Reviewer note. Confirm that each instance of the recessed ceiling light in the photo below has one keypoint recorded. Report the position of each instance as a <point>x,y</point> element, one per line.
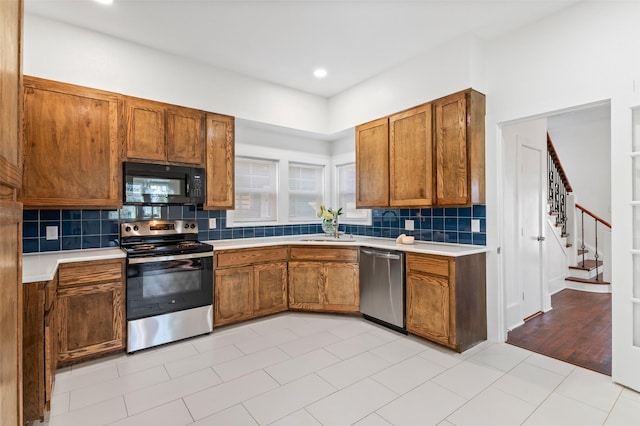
<point>104,1</point>
<point>320,73</point>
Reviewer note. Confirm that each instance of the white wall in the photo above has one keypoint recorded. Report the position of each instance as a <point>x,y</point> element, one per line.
<point>66,53</point>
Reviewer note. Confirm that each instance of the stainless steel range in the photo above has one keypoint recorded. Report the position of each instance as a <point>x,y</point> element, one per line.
<point>169,282</point>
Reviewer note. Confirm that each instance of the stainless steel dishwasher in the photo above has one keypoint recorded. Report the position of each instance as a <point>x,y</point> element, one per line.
<point>382,287</point>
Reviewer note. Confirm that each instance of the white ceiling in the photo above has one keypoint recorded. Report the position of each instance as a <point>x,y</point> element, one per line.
<point>282,42</point>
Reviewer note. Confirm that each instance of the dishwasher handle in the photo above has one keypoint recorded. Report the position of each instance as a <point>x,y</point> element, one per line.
<point>381,255</point>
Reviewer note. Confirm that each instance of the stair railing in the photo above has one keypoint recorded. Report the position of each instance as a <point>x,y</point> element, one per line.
<point>558,187</point>
<point>596,220</point>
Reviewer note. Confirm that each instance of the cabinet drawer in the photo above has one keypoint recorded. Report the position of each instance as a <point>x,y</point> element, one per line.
<point>225,259</point>
<point>428,264</point>
<point>80,273</point>
<point>328,253</point>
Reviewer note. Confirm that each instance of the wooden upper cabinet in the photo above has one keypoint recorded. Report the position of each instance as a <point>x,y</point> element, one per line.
<point>459,147</point>
<point>372,164</point>
<point>185,136</point>
<point>220,158</point>
<point>71,155</point>
<point>411,158</point>
<point>144,129</point>
<point>159,132</point>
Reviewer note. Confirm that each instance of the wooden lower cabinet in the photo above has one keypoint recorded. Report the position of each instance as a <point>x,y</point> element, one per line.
<point>446,299</point>
<point>324,279</point>
<point>39,347</point>
<point>249,283</point>
<point>91,309</point>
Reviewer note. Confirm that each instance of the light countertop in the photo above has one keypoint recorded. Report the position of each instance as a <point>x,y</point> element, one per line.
<point>43,266</point>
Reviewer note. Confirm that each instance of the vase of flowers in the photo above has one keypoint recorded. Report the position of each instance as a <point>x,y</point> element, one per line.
<point>329,219</point>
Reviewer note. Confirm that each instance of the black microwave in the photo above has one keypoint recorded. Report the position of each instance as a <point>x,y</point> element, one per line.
<point>162,184</point>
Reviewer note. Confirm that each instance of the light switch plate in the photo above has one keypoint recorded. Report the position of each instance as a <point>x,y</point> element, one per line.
<point>212,223</point>
<point>408,225</point>
<point>475,225</point>
<point>52,233</point>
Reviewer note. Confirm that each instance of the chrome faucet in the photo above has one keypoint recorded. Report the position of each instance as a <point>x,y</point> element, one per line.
<point>335,225</point>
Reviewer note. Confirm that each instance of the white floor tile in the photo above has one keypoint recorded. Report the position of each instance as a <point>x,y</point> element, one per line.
<point>355,345</point>
<point>285,400</point>
<point>94,415</point>
<point>222,338</point>
<point>59,403</point>
<point>302,365</point>
<point>318,323</point>
<point>309,343</point>
<point>492,407</point>
<point>501,356</point>
<point>249,363</point>
<point>468,378</point>
<point>352,329</point>
<point>428,404</point>
<point>529,383</point>
<point>372,420</point>
<point>96,375</point>
<point>299,418</point>
<point>101,392</point>
<point>626,411</point>
<point>147,359</point>
<point>225,395</point>
<point>266,341</point>
<point>172,414</point>
<point>203,360</point>
<point>408,374</point>
<point>551,364</point>
<point>631,394</point>
<point>164,392</point>
<point>353,369</point>
<point>233,416</point>
<point>400,349</point>
<point>591,388</point>
<point>558,410</point>
<point>272,324</point>
<point>351,404</point>
<point>442,356</point>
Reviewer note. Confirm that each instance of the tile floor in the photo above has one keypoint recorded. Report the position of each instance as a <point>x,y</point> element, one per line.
<point>313,369</point>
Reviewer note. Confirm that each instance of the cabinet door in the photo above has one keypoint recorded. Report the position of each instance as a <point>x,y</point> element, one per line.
<point>270,288</point>
<point>233,295</point>
<point>306,286</point>
<point>452,160</point>
<point>144,130</point>
<point>411,158</point>
<point>428,306</point>
<point>70,145</point>
<point>90,320</point>
<point>184,136</point>
<point>220,130</point>
<point>341,287</point>
<point>372,164</point>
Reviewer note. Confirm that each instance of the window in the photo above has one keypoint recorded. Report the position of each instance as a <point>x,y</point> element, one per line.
<point>256,190</point>
<point>346,196</point>
<point>306,191</point>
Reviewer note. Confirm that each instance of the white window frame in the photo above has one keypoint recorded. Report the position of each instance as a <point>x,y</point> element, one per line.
<point>274,221</point>
<point>340,161</point>
<point>321,188</point>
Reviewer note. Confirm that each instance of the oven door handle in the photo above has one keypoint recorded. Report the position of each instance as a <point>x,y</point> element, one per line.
<point>136,260</point>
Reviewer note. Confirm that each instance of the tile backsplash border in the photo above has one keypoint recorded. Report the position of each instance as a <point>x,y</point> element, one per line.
<point>87,229</point>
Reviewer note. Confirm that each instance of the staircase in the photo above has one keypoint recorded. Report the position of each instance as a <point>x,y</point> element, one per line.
<point>585,237</point>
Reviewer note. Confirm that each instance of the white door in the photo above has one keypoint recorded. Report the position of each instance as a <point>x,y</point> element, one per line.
<point>530,206</point>
<point>524,202</point>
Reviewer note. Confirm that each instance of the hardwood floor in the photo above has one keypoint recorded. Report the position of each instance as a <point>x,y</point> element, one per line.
<point>577,330</point>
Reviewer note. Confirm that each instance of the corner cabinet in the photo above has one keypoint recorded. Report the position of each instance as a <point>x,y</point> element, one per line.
<point>249,283</point>
<point>459,149</point>
<point>90,311</point>
<point>446,299</point>
<point>324,279</point>
<point>160,132</point>
<point>220,158</point>
<point>429,155</point>
<point>70,140</point>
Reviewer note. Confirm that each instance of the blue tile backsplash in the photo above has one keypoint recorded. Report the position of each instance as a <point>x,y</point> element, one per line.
<point>84,229</point>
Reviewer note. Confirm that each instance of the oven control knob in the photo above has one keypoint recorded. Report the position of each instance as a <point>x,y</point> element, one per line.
<point>193,225</point>
<point>186,226</point>
<point>135,227</point>
<point>127,228</point>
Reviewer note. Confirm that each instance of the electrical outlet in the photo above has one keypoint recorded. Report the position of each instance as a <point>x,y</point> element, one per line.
<point>52,233</point>
<point>212,223</point>
<point>408,225</point>
<point>475,225</point>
